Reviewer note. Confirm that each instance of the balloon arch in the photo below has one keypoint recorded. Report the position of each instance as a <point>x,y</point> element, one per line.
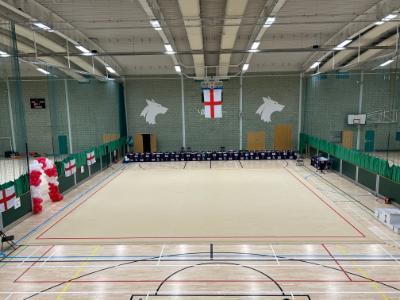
<point>43,166</point>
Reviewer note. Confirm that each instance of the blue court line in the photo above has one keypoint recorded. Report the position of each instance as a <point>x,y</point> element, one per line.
<point>66,206</point>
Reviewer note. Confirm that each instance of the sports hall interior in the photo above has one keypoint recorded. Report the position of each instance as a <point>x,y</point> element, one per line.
<point>199,149</point>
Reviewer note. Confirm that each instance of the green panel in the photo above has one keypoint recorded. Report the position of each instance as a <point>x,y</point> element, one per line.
<point>349,170</point>
<point>82,176</point>
<point>13,215</point>
<point>369,141</point>
<point>62,144</point>
<point>96,167</point>
<point>313,151</point>
<point>335,163</point>
<point>389,189</point>
<point>367,179</point>
<point>66,183</point>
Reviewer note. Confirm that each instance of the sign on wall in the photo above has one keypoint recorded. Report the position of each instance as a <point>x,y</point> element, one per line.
<point>38,103</point>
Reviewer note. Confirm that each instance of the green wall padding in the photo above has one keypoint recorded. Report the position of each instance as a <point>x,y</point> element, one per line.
<point>335,163</point>
<point>389,189</point>
<point>367,179</point>
<point>82,176</point>
<point>12,215</point>
<point>66,183</point>
<point>96,167</point>
<point>349,170</point>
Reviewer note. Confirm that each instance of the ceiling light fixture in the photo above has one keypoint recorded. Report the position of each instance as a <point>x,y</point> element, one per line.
<point>314,65</point>
<point>83,50</point>
<point>342,45</point>
<point>4,54</point>
<point>245,67</point>
<point>178,69</point>
<point>43,71</point>
<point>42,26</point>
<point>111,70</point>
<point>168,47</point>
<point>269,22</point>
<point>155,24</point>
<point>387,63</point>
<point>255,45</point>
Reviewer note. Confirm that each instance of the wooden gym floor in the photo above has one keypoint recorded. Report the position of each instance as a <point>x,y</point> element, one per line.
<point>362,263</point>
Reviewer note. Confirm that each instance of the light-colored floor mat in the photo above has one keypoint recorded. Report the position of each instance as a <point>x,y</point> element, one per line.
<point>203,205</point>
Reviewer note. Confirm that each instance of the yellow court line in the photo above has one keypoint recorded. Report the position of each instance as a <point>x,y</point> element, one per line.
<point>78,272</point>
<point>365,274</point>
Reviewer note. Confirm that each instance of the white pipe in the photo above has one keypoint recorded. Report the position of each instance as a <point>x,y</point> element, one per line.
<point>300,110</point>
<point>183,113</point>
<point>11,117</point>
<point>360,102</point>
<point>71,149</point>
<point>241,113</point>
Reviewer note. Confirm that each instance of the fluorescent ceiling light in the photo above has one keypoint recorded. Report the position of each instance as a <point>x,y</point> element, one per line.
<point>83,50</point>
<point>4,54</point>
<point>42,26</point>
<point>387,63</point>
<point>43,71</point>
<point>269,22</point>
<point>168,47</point>
<point>155,24</point>
<point>255,45</point>
<point>111,70</point>
<point>379,23</point>
<point>254,50</point>
<point>245,67</point>
<point>314,65</point>
<point>389,17</point>
<point>342,45</point>
<point>178,69</point>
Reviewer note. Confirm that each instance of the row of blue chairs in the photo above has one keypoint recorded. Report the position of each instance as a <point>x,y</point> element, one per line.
<point>209,156</point>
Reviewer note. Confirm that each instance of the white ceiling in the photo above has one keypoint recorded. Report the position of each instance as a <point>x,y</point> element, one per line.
<point>111,26</point>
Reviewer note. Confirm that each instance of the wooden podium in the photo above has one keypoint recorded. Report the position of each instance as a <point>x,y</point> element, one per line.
<point>145,142</point>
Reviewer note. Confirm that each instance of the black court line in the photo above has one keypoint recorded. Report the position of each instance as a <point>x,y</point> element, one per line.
<point>210,164</point>
<point>211,251</point>
<point>240,164</point>
<point>185,165</point>
<point>280,297</point>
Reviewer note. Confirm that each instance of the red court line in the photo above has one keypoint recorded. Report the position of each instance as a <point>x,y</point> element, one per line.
<point>327,204</point>
<point>34,263</point>
<point>88,197</point>
<point>210,281</point>
<point>334,259</point>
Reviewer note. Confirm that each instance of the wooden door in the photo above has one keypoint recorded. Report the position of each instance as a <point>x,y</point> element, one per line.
<point>138,143</point>
<point>347,139</point>
<point>153,143</point>
<point>256,140</point>
<point>283,137</point>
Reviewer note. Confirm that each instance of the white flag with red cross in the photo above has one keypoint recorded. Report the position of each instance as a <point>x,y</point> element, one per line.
<point>70,168</point>
<point>90,158</point>
<point>212,103</point>
<point>8,199</point>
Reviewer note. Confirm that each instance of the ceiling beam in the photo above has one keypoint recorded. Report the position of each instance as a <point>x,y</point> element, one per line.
<point>190,10</point>
<point>234,10</point>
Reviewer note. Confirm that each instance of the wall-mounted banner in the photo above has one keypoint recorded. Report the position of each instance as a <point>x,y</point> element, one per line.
<point>38,103</point>
<point>268,108</point>
<point>151,111</point>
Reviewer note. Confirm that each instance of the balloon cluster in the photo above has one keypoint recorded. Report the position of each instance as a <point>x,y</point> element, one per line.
<point>38,167</point>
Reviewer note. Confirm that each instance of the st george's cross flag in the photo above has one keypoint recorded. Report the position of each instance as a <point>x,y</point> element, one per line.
<point>8,199</point>
<point>90,158</point>
<point>212,103</point>
<point>70,168</point>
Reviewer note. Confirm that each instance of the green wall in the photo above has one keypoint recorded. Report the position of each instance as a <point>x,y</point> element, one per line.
<point>207,134</point>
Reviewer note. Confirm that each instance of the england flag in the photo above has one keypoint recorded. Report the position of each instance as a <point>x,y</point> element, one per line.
<point>90,158</point>
<point>70,168</point>
<point>8,199</point>
<point>212,103</point>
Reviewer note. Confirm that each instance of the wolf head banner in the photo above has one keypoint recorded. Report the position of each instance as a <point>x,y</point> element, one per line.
<point>268,108</point>
<point>151,111</point>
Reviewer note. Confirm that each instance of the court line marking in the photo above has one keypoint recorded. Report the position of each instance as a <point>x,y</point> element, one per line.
<point>37,249</point>
<point>159,258</point>
<point>338,264</point>
<point>273,251</point>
